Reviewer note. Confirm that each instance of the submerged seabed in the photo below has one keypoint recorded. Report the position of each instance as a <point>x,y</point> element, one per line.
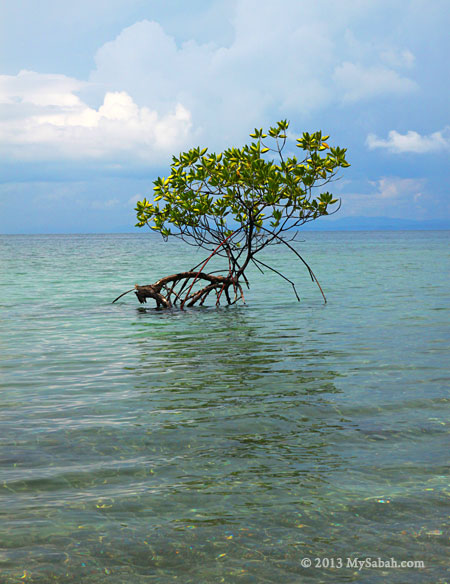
<point>223,445</point>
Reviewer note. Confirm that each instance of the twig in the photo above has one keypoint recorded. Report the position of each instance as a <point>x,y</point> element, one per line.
<point>311,273</point>
<point>279,273</point>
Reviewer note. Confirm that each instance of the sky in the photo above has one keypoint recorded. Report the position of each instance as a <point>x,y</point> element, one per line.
<point>96,96</point>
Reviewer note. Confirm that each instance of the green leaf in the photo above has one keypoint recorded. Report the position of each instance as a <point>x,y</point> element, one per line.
<point>241,186</point>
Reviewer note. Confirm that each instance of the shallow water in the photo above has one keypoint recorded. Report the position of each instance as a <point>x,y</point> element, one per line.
<point>223,445</point>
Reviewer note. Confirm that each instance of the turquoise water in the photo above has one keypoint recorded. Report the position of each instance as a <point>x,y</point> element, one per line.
<point>223,445</point>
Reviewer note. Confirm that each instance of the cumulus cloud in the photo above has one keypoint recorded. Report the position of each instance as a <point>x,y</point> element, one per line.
<point>39,90</point>
<point>411,142</point>
<point>43,117</point>
<point>393,197</point>
<point>394,188</point>
<point>357,82</point>
<point>395,57</point>
<point>149,95</point>
<point>287,60</point>
<point>102,205</point>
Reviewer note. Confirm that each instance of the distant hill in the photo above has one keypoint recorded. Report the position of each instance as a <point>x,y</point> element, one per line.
<point>344,224</point>
<point>374,224</point>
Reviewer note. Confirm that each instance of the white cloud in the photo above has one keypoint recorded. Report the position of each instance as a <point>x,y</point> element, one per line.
<point>44,118</point>
<point>357,82</point>
<point>398,58</point>
<point>411,142</point>
<point>394,197</point>
<point>393,188</point>
<point>103,205</point>
<point>153,96</point>
<point>40,90</point>
<point>280,63</point>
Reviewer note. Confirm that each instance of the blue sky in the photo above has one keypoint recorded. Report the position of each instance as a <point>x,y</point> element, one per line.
<point>96,96</point>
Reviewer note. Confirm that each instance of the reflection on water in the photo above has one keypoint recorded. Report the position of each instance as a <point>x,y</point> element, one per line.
<point>219,445</point>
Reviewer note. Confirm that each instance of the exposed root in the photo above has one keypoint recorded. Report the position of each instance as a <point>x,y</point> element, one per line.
<point>170,290</point>
<point>167,292</point>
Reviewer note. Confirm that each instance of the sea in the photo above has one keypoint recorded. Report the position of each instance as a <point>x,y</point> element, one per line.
<point>274,441</point>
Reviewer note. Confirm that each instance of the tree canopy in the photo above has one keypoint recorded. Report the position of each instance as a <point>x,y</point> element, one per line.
<point>239,201</point>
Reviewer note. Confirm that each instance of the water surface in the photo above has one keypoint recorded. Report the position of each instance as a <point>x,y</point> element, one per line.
<point>223,445</point>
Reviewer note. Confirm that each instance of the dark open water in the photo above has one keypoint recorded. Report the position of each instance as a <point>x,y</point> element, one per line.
<point>223,445</point>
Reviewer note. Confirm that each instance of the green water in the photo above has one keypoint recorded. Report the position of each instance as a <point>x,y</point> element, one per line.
<point>223,445</point>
